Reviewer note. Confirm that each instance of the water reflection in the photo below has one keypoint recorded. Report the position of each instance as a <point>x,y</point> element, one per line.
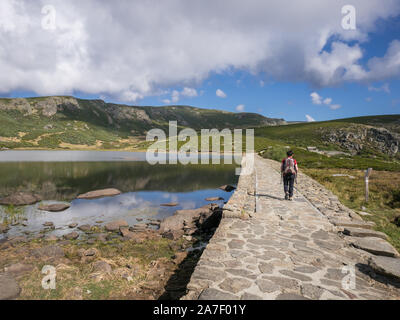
<point>144,188</point>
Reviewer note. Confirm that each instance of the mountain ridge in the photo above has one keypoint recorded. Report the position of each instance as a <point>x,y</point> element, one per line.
<point>68,122</point>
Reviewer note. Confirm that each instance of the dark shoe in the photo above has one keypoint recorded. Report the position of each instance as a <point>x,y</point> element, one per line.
<point>286,196</point>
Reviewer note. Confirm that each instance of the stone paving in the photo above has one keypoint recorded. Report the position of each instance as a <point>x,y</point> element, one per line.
<point>268,248</point>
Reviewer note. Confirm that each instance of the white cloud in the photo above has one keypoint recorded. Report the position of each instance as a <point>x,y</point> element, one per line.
<point>240,108</point>
<point>309,118</point>
<point>384,88</point>
<point>135,49</point>
<point>220,93</point>
<point>189,92</point>
<point>316,98</point>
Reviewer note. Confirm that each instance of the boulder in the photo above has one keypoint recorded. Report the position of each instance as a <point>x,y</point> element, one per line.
<point>227,188</point>
<point>9,288</point>
<point>56,207</point>
<point>116,225</point>
<point>375,246</point>
<point>358,232</point>
<point>73,225</point>
<point>51,251</point>
<point>172,204</point>
<point>18,269</point>
<point>100,194</point>
<point>101,266</point>
<point>20,199</point>
<point>125,232</point>
<point>84,227</point>
<point>71,236</point>
<point>182,218</point>
<point>386,266</point>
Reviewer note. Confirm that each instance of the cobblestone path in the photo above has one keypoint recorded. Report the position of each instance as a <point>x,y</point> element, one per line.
<point>269,248</point>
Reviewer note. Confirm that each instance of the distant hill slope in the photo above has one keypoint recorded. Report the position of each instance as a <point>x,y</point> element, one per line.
<point>373,135</point>
<point>67,122</point>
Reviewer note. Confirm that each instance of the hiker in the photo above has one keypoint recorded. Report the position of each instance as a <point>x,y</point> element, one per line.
<point>289,171</point>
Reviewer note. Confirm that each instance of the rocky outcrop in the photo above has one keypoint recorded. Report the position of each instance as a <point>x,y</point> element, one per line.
<point>355,138</point>
<point>188,221</point>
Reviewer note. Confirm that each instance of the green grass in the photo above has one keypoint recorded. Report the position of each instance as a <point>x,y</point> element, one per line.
<point>383,205</point>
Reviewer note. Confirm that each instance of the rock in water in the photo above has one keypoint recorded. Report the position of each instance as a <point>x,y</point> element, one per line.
<point>172,204</point>
<point>56,207</point>
<point>9,288</point>
<point>100,194</point>
<point>227,188</point>
<point>115,225</point>
<point>214,199</point>
<point>20,199</point>
<point>4,228</point>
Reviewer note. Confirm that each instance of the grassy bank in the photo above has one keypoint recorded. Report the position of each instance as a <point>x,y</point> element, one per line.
<point>384,196</point>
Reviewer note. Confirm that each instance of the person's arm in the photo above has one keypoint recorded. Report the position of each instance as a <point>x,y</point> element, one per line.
<point>296,167</point>
<point>282,165</point>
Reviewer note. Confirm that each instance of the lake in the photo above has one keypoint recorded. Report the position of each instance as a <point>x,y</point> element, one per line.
<point>63,175</point>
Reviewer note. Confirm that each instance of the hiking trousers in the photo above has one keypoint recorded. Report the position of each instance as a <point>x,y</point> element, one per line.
<point>288,184</point>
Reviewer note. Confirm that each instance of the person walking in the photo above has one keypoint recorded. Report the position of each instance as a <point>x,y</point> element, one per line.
<point>289,172</point>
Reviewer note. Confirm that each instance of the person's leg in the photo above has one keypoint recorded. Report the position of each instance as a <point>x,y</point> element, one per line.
<point>291,186</point>
<point>286,187</point>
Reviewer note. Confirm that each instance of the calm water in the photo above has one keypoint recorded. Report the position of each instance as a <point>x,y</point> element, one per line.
<point>62,175</point>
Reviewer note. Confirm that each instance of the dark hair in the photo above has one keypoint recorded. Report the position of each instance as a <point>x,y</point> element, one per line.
<point>290,153</point>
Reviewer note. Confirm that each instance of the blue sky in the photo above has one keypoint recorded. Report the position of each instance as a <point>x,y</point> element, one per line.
<point>261,66</point>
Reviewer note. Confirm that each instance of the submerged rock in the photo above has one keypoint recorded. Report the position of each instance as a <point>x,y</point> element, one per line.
<point>171,204</point>
<point>56,207</point>
<point>20,199</point>
<point>227,188</point>
<point>100,194</point>
<point>214,199</point>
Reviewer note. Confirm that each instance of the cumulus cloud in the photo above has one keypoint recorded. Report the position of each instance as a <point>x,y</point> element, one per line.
<point>318,100</point>
<point>176,95</point>
<point>220,93</point>
<point>134,49</point>
<point>309,118</point>
<point>240,108</point>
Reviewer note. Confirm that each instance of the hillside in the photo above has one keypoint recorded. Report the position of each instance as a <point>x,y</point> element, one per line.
<point>378,135</point>
<point>70,123</point>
